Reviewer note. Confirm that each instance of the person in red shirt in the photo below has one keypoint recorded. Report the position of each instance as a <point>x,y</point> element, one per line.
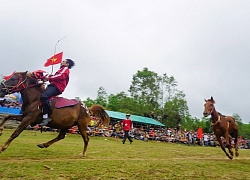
<point>58,83</point>
<point>127,125</point>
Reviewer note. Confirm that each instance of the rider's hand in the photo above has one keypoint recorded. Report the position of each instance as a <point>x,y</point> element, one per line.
<point>46,79</point>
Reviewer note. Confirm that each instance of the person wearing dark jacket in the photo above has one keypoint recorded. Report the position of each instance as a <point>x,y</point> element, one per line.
<point>58,83</point>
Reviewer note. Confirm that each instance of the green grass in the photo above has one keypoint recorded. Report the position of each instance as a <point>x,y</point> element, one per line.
<point>110,159</point>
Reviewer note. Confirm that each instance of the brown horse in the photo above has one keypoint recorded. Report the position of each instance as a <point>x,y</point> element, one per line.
<point>223,126</point>
<point>62,118</point>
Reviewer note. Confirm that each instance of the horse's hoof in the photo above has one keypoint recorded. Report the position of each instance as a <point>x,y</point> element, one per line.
<point>82,155</point>
<point>41,145</point>
<point>236,154</point>
<point>1,133</point>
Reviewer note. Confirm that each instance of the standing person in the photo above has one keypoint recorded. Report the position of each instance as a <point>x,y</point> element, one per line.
<point>118,128</point>
<point>194,136</point>
<point>127,125</point>
<point>205,139</point>
<point>58,83</point>
<point>189,138</point>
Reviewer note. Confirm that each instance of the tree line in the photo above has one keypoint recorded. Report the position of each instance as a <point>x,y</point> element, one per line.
<point>157,96</point>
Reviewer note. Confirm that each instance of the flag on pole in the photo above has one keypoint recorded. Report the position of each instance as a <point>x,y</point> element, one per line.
<point>56,59</point>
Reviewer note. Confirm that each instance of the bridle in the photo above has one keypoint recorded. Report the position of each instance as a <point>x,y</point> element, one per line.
<point>217,121</point>
<point>18,87</point>
<point>212,110</point>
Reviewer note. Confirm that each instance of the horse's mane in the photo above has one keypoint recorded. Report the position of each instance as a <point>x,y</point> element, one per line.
<point>29,74</point>
<point>32,79</point>
<point>213,101</point>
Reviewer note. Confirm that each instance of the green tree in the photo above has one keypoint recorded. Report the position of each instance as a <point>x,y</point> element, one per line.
<point>243,129</point>
<point>175,107</point>
<point>246,131</point>
<point>150,92</point>
<point>159,95</point>
<point>122,103</point>
<point>145,88</point>
<point>89,102</point>
<point>102,97</point>
<point>169,85</point>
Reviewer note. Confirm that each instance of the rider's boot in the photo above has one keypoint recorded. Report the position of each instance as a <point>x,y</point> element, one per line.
<point>45,121</point>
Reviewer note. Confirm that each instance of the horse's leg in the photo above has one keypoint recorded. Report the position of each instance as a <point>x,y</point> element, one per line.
<point>82,127</point>
<point>6,118</point>
<point>222,147</point>
<point>25,122</point>
<point>60,136</point>
<point>230,147</point>
<point>236,143</point>
<point>227,139</point>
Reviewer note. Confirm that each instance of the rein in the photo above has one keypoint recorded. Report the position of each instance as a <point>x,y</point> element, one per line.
<point>20,83</point>
<point>11,89</point>
<point>16,88</point>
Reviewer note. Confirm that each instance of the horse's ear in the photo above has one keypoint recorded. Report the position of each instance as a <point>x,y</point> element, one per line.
<point>24,73</point>
<point>205,100</point>
<point>212,99</point>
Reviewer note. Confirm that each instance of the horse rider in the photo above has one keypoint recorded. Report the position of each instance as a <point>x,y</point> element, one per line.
<point>58,83</point>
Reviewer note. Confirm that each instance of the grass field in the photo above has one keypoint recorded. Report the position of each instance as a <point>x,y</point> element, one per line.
<point>108,158</point>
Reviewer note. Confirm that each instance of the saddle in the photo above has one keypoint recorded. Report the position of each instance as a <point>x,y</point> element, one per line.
<point>63,102</point>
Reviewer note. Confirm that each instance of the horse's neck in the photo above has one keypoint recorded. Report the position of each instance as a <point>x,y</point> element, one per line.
<point>30,95</point>
<point>214,115</point>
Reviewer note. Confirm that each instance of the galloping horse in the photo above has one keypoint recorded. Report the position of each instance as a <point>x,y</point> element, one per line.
<point>223,126</point>
<point>62,118</point>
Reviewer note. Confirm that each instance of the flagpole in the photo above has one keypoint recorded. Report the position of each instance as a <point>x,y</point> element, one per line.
<point>55,52</point>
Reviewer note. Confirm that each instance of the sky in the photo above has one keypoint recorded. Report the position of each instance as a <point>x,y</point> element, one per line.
<point>203,44</point>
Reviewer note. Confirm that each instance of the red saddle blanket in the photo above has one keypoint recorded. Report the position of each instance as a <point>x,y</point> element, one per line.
<point>63,102</point>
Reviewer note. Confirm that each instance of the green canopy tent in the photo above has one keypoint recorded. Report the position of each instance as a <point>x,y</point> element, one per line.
<point>137,120</point>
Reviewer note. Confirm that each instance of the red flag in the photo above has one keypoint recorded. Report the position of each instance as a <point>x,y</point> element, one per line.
<point>240,139</point>
<point>199,133</point>
<point>56,59</point>
<point>7,77</point>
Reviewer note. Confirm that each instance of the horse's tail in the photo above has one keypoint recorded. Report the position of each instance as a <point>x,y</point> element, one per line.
<point>99,111</point>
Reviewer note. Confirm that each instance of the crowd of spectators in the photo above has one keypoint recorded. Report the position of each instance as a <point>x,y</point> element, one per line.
<point>11,101</point>
<point>146,133</point>
<point>168,135</point>
<point>10,104</point>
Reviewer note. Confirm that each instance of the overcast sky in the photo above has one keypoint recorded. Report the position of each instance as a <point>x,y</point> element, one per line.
<point>203,44</point>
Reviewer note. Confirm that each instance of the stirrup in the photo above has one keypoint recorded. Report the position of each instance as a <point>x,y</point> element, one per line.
<point>45,122</point>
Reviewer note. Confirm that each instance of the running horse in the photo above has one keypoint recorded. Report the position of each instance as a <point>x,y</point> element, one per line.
<point>223,126</point>
<point>62,118</point>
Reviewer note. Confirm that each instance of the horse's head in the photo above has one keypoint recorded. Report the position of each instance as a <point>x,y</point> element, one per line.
<point>208,107</point>
<point>13,84</point>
